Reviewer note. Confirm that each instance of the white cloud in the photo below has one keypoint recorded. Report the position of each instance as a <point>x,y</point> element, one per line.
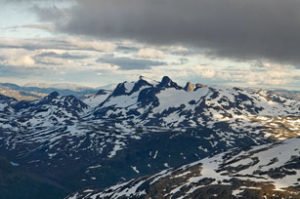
<point>65,53</point>
<point>17,58</point>
<point>150,53</point>
<point>91,44</point>
<point>60,43</point>
<point>25,60</point>
<point>204,71</point>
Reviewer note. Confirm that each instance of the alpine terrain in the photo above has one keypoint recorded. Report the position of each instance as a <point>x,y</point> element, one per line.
<point>192,141</point>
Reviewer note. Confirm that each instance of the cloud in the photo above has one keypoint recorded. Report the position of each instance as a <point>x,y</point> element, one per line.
<point>64,55</point>
<point>60,54</point>
<point>205,72</point>
<point>150,53</point>
<point>127,63</point>
<point>76,53</point>
<point>262,74</point>
<point>272,74</point>
<point>25,61</point>
<point>90,44</point>
<point>256,29</point>
<point>17,58</point>
<point>63,43</point>
<point>268,75</point>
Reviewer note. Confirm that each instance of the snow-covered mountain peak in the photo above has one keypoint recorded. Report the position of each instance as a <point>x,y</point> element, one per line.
<point>127,88</point>
<point>67,102</point>
<point>167,82</point>
<point>49,98</point>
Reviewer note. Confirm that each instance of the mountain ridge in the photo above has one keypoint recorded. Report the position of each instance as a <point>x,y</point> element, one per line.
<point>261,172</point>
<point>139,128</point>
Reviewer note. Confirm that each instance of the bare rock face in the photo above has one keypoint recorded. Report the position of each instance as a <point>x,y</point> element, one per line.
<point>190,87</point>
<point>198,85</point>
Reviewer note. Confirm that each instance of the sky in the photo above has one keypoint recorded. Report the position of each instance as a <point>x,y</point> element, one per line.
<point>100,42</point>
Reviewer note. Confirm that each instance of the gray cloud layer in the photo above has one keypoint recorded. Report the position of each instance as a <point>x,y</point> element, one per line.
<point>127,63</point>
<point>242,29</point>
<point>61,56</point>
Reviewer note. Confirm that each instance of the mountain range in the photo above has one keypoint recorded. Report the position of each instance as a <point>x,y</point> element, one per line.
<point>96,140</point>
<point>32,92</point>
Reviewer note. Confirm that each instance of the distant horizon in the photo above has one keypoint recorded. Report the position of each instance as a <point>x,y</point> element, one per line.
<point>70,85</point>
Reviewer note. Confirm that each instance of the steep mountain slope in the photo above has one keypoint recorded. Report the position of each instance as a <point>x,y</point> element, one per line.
<point>140,128</point>
<point>94,100</point>
<point>17,183</point>
<point>268,171</point>
<point>5,103</point>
